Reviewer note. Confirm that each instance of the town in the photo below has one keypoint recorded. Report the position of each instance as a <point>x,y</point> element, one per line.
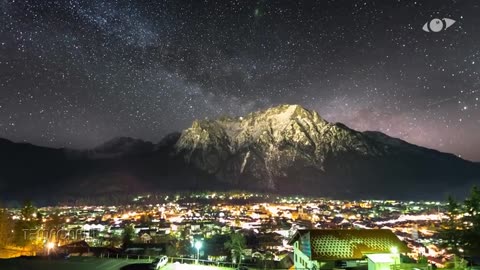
<point>229,228</point>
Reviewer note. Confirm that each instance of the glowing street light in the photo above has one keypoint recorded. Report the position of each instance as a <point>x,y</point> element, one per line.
<point>50,246</point>
<point>198,246</point>
<point>394,250</point>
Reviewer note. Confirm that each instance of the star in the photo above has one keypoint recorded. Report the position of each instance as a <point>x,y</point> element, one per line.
<point>78,73</point>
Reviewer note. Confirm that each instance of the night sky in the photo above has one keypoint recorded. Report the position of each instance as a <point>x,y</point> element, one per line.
<point>78,73</point>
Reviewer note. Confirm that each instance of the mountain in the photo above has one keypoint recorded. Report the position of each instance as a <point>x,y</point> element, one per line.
<point>120,147</point>
<point>111,171</point>
<point>291,149</point>
<point>285,149</point>
<point>27,169</point>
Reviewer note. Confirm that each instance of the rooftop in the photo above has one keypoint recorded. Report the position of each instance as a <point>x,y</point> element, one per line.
<point>346,244</point>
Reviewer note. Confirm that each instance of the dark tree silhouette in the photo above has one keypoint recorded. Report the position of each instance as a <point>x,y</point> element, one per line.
<point>461,233</point>
<point>236,244</point>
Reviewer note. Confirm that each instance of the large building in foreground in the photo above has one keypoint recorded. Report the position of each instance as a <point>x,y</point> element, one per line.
<point>329,249</point>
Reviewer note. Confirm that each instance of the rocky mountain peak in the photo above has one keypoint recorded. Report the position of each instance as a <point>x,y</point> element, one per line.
<point>284,114</point>
<point>276,122</point>
<point>274,148</point>
<point>266,142</point>
<point>285,149</point>
<point>283,124</point>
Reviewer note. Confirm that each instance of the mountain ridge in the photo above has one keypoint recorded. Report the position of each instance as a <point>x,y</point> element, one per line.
<point>283,149</point>
<point>285,141</point>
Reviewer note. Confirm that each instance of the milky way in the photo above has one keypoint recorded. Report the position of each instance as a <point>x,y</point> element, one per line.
<point>78,73</point>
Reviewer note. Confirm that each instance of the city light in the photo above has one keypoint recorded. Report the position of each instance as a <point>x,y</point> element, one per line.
<point>50,246</point>
<point>198,246</point>
<point>273,220</point>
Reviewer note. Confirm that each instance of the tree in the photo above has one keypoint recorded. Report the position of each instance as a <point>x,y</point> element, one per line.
<point>53,228</point>
<point>463,234</point>
<point>170,250</point>
<point>115,241</point>
<point>25,229</point>
<point>449,231</point>
<point>236,244</point>
<point>471,220</point>
<point>6,227</point>
<point>28,211</point>
<point>128,234</point>
<point>183,245</point>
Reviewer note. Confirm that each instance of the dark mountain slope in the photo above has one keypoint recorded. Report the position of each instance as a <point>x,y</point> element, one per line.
<point>291,149</point>
<point>284,149</point>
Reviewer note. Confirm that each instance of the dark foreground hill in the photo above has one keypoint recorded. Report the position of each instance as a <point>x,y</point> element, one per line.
<point>284,149</point>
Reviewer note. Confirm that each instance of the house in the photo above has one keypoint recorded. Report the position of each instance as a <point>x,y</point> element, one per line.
<point>146,238</point>
<point>75,248</point>
<point>329,249</point>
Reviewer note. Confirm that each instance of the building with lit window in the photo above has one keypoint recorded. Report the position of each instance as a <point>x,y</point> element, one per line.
<point>341,249</point>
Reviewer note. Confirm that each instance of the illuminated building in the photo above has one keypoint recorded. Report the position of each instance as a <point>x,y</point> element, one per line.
<point>329,249</point>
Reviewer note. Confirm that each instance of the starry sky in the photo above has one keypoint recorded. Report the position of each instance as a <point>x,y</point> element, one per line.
<point>76,73</point>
